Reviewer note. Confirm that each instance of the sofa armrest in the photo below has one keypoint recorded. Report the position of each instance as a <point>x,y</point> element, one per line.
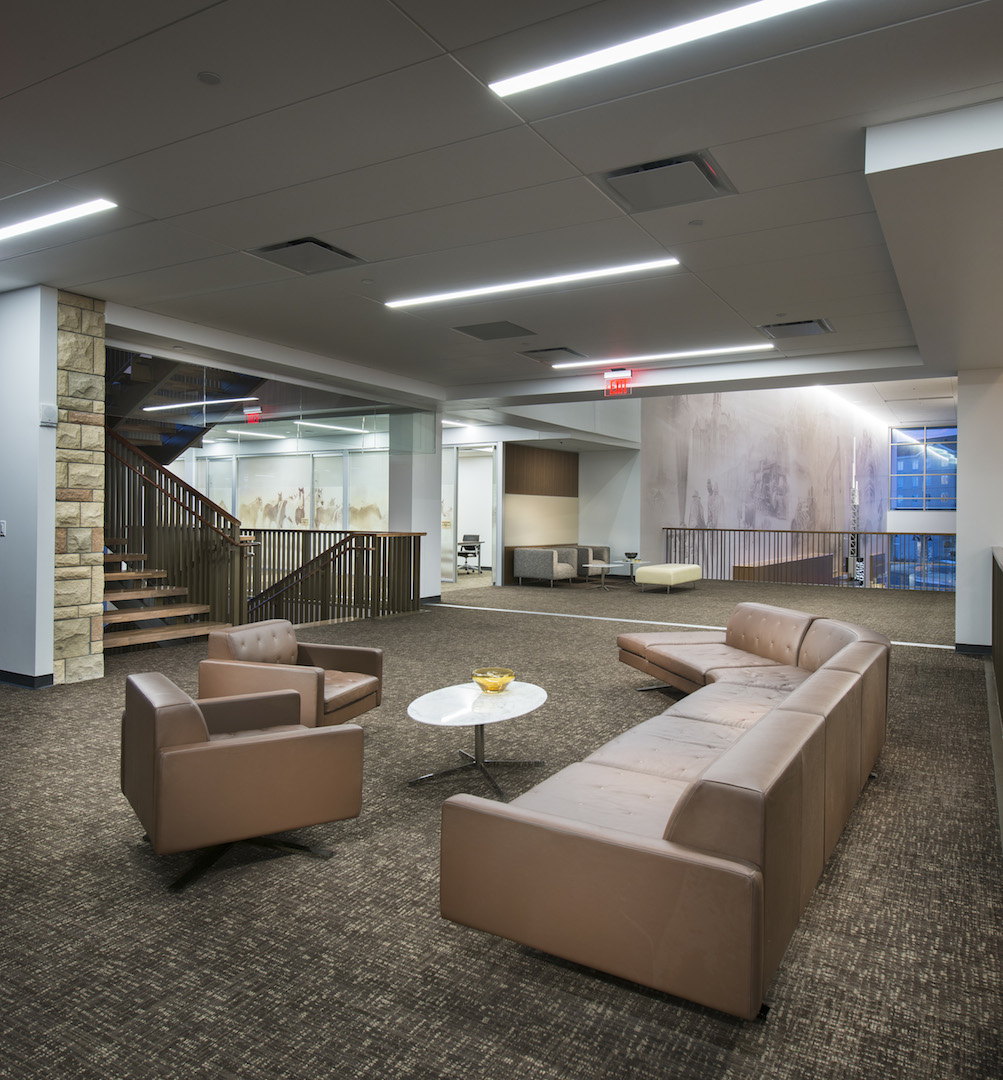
<point>224,678</point>
<point>239,712</point>
<point>640,908</point>
<point>360,658</point>
<point>213,793</point>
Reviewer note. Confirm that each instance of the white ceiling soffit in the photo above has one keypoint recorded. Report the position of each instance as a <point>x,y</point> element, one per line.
<point>367,126</point>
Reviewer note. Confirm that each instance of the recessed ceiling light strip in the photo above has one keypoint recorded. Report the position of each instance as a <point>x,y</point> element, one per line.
<point>651,43</point>
<point>56,218</point>
<point>534,283</point>
<point>623,361</point>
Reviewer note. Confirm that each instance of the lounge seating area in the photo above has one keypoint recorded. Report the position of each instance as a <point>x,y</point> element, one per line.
<point>569,562</point>
<point>682,853</point>
<point>351,952</point>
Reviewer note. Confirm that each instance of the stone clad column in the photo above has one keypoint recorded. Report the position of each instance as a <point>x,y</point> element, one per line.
<point>78,650</point>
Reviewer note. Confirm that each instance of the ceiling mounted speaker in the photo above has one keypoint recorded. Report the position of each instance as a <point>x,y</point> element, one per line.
<point>806,328</point>
<point>676,181</point>
<point>307,256</point>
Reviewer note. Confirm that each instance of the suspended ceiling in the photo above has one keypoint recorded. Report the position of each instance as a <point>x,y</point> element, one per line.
<point>368,126</point>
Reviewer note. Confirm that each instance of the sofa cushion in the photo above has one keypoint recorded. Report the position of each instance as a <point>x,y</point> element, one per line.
<point>675,747</point>
<point>639,643</point>
<point>780,678</point>
<point>692,662</point>
<point>729,704</point>
<point>770,632</point>
<point>638,803</point>
<point>272,641</point>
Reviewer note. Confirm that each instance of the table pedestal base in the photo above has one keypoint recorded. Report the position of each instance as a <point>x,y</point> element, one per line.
<point>477,761</point>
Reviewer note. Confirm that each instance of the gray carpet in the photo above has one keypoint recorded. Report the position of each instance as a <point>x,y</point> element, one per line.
<point>280,966</point>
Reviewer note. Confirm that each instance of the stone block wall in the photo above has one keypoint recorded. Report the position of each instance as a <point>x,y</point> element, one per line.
<point>80,466</point>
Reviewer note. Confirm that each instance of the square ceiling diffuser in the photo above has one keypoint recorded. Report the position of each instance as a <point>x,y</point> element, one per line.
<point>805,328</point>
<point>494,331</point>
<point>553,356</point>
<point>307,256</point>
<point>654,185</point>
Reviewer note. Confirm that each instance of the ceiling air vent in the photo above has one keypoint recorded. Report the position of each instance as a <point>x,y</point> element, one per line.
<point>494,331</point>
<point>553,356</point>
<point>806,328</point>
<point>675,181</point>
<point>307,256</point>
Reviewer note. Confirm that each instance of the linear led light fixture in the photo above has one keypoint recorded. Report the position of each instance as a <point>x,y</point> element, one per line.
<point>688,355</point>
<point>651,43</point>
<point>197,404</point>
<point>535,283</point>
<point>330,427</point>
<point>255,434</point>
<point>57,218</point>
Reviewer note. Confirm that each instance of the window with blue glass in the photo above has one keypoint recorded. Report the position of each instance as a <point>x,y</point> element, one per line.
<point>924,468</point>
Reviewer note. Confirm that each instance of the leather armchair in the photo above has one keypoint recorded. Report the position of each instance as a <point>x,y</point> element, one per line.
<point>335,682</point>
<point>205,774</point>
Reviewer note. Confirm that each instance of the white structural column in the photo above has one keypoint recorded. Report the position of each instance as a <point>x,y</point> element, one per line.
<point>980,501</point>
<point>28,336</point>
<point>416,488</point>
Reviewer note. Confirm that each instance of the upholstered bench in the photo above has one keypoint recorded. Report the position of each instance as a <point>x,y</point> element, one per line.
<point>667,574</point>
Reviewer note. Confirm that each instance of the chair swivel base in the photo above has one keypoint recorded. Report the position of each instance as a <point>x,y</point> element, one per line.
<point>208,857</point>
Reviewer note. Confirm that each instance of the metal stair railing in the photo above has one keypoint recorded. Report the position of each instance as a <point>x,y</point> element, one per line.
<point>361,575</point>
<point>197,542</point>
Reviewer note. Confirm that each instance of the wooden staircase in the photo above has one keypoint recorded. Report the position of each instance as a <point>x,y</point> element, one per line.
<point>151,612</point>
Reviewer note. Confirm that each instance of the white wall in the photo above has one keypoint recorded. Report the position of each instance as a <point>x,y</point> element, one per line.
<point>609,500</point>
<point>28,345</point>
<point>474,502</point>
<point>980,501</point>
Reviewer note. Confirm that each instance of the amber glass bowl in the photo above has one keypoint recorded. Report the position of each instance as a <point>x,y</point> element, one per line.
<point>492,680</point>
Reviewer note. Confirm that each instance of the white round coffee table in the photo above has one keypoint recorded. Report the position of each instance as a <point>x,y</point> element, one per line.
<point>467,705</point>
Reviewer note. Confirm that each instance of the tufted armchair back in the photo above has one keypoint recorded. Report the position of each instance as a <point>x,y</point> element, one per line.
<point>269,642</point>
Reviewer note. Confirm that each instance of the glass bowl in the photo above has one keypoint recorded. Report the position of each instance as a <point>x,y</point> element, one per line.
<point>492,680</point>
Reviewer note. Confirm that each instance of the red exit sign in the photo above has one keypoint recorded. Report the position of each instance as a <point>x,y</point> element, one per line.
<point>617,382</point>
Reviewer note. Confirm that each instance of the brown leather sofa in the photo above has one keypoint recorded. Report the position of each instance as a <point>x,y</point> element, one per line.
<point>203,774</point>
<point>335,682</point>
<point>681,854</point>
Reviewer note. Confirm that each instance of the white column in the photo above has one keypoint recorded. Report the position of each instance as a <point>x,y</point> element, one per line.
<point>980,501</point>
<point>416,489</point>
<point>28,336</point>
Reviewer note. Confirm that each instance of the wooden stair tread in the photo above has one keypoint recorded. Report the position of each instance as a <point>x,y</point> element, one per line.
<point>150,592</point>
<point>157,611</point>
<point>120,638</point>
<point>124,556</point>
<point>133,575</point>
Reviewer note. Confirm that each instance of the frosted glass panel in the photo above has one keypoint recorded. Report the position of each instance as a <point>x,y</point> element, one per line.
<point>329,492</point>
<point>271,491</point>
<point>369,491</point>
<point>219,488</point>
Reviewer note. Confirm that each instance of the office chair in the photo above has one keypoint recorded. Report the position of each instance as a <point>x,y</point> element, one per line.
<point>470,548</point>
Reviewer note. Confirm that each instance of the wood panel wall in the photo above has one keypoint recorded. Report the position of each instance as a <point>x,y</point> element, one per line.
<point>534,470</point>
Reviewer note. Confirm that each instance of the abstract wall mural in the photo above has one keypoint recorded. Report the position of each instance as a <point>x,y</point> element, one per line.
<point>763,459</point>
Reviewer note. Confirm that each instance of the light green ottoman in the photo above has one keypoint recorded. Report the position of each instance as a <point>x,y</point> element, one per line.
<point>667,574</point>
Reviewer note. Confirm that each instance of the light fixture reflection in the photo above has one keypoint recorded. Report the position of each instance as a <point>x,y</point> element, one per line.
<point>197,404</point>
<point>330,427</point>
<point>254,434</point>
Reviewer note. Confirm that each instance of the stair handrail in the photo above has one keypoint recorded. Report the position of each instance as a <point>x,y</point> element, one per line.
<point>196,495</point>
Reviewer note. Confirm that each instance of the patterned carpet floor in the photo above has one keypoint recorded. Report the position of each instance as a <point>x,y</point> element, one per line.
<point>277,966</point>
